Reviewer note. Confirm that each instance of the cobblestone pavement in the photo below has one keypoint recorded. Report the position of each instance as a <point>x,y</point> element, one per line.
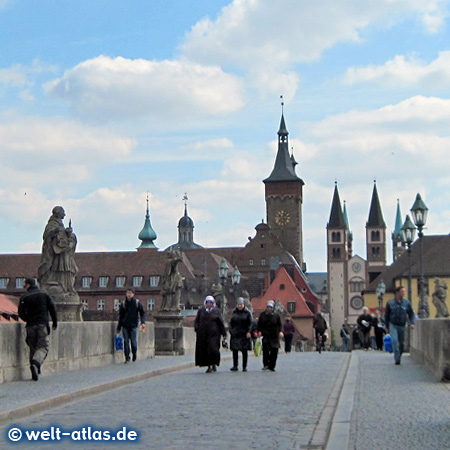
<point>398,407</point>
<point>188,409</point>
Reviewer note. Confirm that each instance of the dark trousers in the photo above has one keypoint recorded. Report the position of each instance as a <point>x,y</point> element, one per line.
<point>270,355</point>
<point>38,341</point>
<point>244,358</point>
<point>365,339</point>
<point>129,334</point>
<point>288,342</point>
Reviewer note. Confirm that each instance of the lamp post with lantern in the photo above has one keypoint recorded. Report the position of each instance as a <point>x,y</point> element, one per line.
<point>381,290</point>
<point>235,279</point>
<point>408,232</point>
<point>223,272</point>
<point>419,212</point>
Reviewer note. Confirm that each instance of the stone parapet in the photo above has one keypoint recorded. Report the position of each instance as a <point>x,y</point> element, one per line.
<point>430,345</point>
<point>73,346</point>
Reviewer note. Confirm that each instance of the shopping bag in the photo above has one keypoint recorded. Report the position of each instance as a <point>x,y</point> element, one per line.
<point>388,343</point>
<point>258,347</point>
<point>118,342</point>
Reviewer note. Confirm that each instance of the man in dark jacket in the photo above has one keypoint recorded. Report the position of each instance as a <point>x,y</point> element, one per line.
<point>269,327</point>
<point>397,311</point>
<point>34,308</point>
<point>130,310</point>
<point>364,322</point>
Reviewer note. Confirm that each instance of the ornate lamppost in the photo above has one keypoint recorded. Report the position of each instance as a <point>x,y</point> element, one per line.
<point>419,212</point>
<point>223,272</point>
<point>381,290</point>
<point>408,232</point>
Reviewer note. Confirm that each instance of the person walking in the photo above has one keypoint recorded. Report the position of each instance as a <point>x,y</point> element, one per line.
<point>378,327</point>
<point>364,322</point>
<point>397,311</point>
<point>130,310</point>
<point>288,331</point>
<point>34,307</point>
<point>209,327</point>
<point>241,323</point>
<point>320,325</point>
<point>345,336</point>
<point>269,327</point>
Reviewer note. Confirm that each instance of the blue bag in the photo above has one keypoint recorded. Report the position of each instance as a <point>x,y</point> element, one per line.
<point>118,342</point>
<point>388,343</point>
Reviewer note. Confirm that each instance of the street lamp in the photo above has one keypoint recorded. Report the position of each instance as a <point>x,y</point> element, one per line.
<point>235,279</point>
<point>381,290</point>
<point>419,212</point>
<point>223,272</point>
<point>408,232</point>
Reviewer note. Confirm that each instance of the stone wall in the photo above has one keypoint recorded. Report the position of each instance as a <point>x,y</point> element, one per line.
<point>73,346</point>
<point>430,345</point>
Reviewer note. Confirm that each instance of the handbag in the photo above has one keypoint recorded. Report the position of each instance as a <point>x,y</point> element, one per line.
<point>258,347</point>
<point>118,342</point>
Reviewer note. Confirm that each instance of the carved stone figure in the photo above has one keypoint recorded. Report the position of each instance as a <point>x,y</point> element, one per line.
<point>439,298</point>
<point>57,270</point>
<point>172,284</point>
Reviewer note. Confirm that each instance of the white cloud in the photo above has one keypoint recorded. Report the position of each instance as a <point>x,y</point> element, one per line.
<point>103,88</point>
<point>402,71</point>
<point>39,150</point>
<point>251,33</point>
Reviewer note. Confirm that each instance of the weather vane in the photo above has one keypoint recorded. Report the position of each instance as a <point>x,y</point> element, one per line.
<point>185,198</point>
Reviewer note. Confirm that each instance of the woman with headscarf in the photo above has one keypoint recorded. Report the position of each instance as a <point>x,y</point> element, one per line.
<point>241,323</point>
<point>209,326</point>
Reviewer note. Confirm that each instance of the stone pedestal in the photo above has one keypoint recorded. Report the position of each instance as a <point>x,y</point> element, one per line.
<point>68,305</point>
<point>169,333</point>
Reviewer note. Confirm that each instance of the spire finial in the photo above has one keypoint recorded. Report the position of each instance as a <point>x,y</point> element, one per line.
<point>282,104</point>
<point>147,203</point>
<point>185,200</point>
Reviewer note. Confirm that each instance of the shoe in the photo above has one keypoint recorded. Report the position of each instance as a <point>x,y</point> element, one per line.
<point>134,358</point>
<point>34,372</point>
<point>234,369</point>
<point>126,361</point>
<point>214,368</point>
<point>272,370</point>
<point>397,363</point>
<point>265,368</point>
<point>244,369</point>
<point>208,370</point>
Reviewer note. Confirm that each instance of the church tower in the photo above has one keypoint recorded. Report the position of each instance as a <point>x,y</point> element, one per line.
<point>375,238</point>
<point>338,255</point>
<point>284,197</point>
<point>398,244</point>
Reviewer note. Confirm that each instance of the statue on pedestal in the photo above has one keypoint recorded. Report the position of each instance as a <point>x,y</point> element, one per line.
<point>57,270</point>
<point>172,283</point>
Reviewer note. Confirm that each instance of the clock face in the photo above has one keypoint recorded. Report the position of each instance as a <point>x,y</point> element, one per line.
<point>282,217</point>
<point>356,266</point>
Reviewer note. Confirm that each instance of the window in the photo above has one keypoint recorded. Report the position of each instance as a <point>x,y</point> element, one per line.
<point>263,245</point>
<point>375,235</point>
<point>336,253</point>
<point>263,262</point>
<point>375,252</point>
<point>120,282</point>
<point>3,283</point>
<point>86,282</point>
<point>150,304</point>
<point>84,304</point>
<point>100,305</point>
<point>116,304</point>
<point>137,281</point>
<point>103,282</point>
<point>281,287</point>
<point>336,236</point>
<point>19,283</point>
<point>356,286</point>
<point>251,262</point>
<point>291,307</point>
<point>154,280</point>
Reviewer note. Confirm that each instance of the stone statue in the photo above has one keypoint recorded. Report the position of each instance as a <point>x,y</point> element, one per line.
<point>439,298</point>
<point>57,270</point>
<point>172,283</point>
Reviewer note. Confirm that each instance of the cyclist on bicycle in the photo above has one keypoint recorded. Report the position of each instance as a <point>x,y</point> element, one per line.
<point>320,325</point>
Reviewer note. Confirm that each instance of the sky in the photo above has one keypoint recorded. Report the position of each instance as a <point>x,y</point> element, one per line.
<point>103,102</point>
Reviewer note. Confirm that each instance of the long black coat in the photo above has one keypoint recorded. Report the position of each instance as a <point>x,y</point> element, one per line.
<point>240,324</point>
<point>269,324</point>
<point>209,326</point>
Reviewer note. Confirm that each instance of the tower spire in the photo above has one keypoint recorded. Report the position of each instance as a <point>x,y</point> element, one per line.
<point>147,234</point>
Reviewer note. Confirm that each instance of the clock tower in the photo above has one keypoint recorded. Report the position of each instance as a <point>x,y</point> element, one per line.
<point>284,197</point>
